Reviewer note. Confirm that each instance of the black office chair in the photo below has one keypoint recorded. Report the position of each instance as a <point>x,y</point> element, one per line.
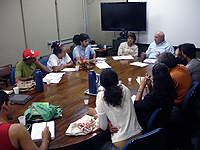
<point>5,73</point>
<point>154,140</point>
<point>180,127</point>
<point>159,118</point>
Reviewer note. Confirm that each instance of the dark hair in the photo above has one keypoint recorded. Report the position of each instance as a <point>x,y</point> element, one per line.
<point>113,93</point>
<point>163,86</point>
<point>180,47</point>
<point>168,59</point>
<point>83,37</point>
<point>189,50</point>
<point>131,34</point>
<point>76,39</point>
<point>3,98</point>
<point>56,48</point>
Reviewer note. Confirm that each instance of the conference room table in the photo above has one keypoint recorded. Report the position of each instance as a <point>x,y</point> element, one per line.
<point>69,95</point>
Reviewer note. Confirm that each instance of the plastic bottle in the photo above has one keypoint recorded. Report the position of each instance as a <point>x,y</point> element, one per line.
<point>38,80</point>
<point>92,82</point>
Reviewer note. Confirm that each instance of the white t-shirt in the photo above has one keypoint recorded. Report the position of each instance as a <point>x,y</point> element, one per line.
<point>55,61</point>
<point>124,117</point>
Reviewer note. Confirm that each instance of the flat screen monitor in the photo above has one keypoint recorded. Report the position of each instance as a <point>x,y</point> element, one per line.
<point>123,16</point>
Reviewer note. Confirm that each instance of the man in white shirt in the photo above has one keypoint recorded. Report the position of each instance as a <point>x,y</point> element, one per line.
<point>158,46</point>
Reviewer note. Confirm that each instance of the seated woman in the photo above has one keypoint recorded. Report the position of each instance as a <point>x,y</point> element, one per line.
<point>59,59</point>
<point>128,48</point>
<point>160,92</point>
<point>179,57</point>
<point>114,103</point>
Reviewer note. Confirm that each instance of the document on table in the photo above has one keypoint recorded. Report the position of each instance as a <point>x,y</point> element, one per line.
<point>139,64</point>
<point>122,57</point>
<point>150,60</point>
<point>102,65</point>
<point>53,77</point>
<point>69,69</point>
<point>37,128</point>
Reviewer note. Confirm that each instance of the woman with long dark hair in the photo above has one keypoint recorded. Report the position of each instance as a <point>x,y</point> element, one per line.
<point>59,59</point>
<point>114,104</point>
<point>160,92</point>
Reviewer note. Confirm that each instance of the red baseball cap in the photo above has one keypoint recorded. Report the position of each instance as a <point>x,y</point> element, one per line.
<point>29,53</point>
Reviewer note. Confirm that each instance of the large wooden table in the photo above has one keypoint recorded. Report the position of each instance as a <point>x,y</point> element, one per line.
<point>69,95</point>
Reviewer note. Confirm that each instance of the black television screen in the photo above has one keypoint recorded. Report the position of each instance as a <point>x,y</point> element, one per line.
<point>123,16</point>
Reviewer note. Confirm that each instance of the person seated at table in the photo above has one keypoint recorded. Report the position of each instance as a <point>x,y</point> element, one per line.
<point>180,76</point>
<point>83,49</point>
<point>179,57</point>
<point>59,59</point>
<point>15,136</point>
<point>158,46</point>
<point>26,68</point>
<point>76,42</point>
<point>114,103</point>
<point>160,92</point>
<point>189,52</point>
<point>128,48</point>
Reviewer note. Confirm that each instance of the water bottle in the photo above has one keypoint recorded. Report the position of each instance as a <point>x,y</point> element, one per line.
<point>92,82</point>
<point>38,80</point>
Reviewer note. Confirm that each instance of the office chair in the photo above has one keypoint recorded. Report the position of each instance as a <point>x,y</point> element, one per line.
<point>5,73</point>
<point>180,127</point>
<point>159,118</point>
<point>154,140</point>
<point>44,62</point>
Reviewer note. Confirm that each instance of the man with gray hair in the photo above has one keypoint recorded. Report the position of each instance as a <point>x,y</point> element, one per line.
<point>158,46</point>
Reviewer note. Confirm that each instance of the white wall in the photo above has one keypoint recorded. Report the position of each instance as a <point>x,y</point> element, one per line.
<point>178,19</point>
<point>40,25</point>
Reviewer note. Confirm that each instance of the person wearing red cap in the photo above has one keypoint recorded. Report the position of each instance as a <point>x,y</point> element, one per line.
<point>26,68</point>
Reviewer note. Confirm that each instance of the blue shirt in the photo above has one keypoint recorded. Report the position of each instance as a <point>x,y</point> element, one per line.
<point>154,48</point>
<point>80,52</point>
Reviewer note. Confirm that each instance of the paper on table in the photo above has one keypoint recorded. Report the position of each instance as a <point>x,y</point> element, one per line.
<point>122,57</point>
<point>150,60</point>
<point>95,48</point>
<point>37,128</point>
<point>103,65</point>
<point>139,64</point>
<point>53,77</point>
<point>69,69</point>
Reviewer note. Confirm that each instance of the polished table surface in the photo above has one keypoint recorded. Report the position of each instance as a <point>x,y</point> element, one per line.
<point>69,95</point>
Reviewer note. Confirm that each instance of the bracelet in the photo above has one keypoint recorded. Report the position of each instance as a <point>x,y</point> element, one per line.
<point>95,116</point>
<point>140,91</point>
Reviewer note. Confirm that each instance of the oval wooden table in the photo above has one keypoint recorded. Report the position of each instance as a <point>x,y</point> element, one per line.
<point>69,95</point>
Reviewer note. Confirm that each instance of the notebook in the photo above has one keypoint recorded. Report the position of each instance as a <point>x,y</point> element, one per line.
<point>20,99</point>
<point>34,111</point>
<point>37,128</point>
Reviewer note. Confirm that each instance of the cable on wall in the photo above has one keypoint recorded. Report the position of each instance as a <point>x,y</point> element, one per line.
<point>57,20</point>
<point>23,23</point>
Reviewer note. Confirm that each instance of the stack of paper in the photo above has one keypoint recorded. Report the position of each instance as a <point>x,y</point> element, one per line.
<point>103,65</point>
<point>138,64</point>
<point>150,60</point>
<point>53,77</point>
<point>37,128</point>
<point>122,57</point>
<point>69,69</point>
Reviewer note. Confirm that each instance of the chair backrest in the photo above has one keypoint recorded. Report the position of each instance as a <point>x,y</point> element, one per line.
<point>44,60</point>
<point>160,117</point>
<point>12,76</point>
<point>5,70</point>
<point>187,103</point>
<point>154,140</point>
